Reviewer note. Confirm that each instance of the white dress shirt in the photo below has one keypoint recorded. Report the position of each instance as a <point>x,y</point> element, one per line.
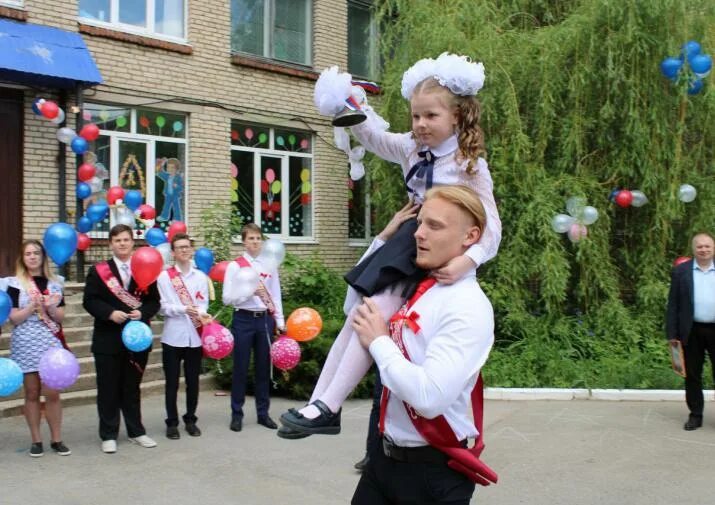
<point>125,275</point>
<point>268,275</point>
<point>179,331</point>
<point>401,148</point>
<point>456,334</point>
<point>703,293</point>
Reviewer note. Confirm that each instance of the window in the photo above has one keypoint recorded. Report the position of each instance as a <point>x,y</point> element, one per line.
<point>359,211</point>
<point>140,149</point>
<point>272,179</point>
<point>276,29</point>
<point>11,3</point>
<point>362,40</point>
<point>163,18</point>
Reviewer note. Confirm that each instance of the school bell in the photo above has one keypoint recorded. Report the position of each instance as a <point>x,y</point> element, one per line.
<point>350,115</point>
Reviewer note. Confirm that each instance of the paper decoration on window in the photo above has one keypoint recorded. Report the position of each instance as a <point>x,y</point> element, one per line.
<point>169,171</point>
<point>131,175</point>
<point>270,187</point>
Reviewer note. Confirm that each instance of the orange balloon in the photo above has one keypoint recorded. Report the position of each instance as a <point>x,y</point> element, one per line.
<point>304,324</point>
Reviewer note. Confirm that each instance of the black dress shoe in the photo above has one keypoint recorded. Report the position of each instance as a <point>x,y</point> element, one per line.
<point>288,434</point>
<point>172,432</point>
<point>268,422</point>
<point>693,423</point>
<point>327,423</point>
<point>236,424</point>
<point>192,429</point>
<point>360,465</point>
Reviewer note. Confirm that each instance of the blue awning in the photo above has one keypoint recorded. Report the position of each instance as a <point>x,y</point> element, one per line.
<point>43,56</point>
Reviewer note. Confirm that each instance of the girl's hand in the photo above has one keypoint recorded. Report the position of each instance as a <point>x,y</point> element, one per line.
<point>454,270</point>
<point>405,213</point>
<point>51,300</point>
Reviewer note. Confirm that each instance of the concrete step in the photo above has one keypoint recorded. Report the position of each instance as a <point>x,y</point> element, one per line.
<point>83,348</point>
<point>86,363</point>
<point>13,407</point>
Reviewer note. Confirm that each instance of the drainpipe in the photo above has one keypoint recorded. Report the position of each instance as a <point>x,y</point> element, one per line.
<point>62,171</point>
<point>79,205</point>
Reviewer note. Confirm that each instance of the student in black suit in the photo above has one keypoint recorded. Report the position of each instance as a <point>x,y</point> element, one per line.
<point>112,298</point>
<point>691,319</point>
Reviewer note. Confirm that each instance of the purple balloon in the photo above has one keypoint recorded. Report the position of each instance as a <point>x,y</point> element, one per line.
<point>58,368</point>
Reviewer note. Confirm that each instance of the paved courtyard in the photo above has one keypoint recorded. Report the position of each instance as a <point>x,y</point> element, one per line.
<point>546,452</point>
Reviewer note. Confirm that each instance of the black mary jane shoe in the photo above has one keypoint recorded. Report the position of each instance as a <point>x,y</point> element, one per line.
<point>326,423</point>
<point>288,434</point>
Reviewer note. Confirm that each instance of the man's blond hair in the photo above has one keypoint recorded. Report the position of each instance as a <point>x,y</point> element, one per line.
<point>465,198</point>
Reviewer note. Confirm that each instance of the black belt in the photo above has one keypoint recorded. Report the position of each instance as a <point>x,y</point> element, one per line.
<point>422,454</point>
<point>253,313</point>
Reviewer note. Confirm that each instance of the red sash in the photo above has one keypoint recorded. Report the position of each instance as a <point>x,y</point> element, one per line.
<point>265,298</point>
<point>437,432</point>
<point>178,283</point>
<point>115,286</point>
<point>52,325</point>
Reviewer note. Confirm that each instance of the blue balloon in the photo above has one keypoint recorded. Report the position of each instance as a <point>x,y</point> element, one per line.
<point>84,224</point>
<point>83,190</point>
<point>670,67</point>
<point>690,48</point>
<point>204,259</point>
<point>133,199</point>
<point>155,236</point>
<point>79,145</point>
<point>60,242</point>
<point>10,377</point>
<point>137,336</point>
<point>97,211</point>
<point>701,64</point>
<point>5,306</point>
<point>695,86</point>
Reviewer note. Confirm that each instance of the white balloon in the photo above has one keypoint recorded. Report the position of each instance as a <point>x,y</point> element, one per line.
<point>639,198</point>
<point>60,117</point>
<point>246,282</point>
<point>96,184</point>
<point>274,250</point>
<point>575,205</point>
<point>65,135</point>
<point>122,215</point>
<point>165,251</point>
<point>589,215</point>
<point>101,171</point>
<point>561,223</point>
<point>687,193</point>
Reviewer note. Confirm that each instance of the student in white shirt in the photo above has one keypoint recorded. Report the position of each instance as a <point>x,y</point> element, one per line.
<point>184,294</point>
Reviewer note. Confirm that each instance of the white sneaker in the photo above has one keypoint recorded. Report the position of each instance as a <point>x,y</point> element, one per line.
<point>144,441</point>
<point>109,446</point>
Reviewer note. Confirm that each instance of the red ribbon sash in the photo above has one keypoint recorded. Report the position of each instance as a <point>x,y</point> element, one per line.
<point>52,325</point>
<point>115,286</point>
<point>184,296</point>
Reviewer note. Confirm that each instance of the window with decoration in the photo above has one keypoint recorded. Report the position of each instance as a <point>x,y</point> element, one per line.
<point>154,18</point>
<point>139,149</point>
<point>272,179</point>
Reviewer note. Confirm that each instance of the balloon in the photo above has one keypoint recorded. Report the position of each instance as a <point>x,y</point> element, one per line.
<point>690,49</point>
<point>695,86</point>
<point>146,266</point>
<point>85,172</point>
<point>681,259</point>
<point>575,205</point>
<point>670,67</point>
<point>102,171</point>
<point>96,184</point>
<point>10,377</point>
<point>84,224</point>
<point>177,126</point>
<point>701,64</point>
<point>234,170</point>
<point>589,215</point>
<point>165,251</point>
<point>577,232</point>
<point>89,132</point>
<point>270,175</point>
<point>305,175</point>
<point>204,259</point>
<point>160,121</point>
<point>60,242</point>
<point>58,368</point>
<point>144,121</point>
<point>218,271</point>
<point>561,223</point>
<point>121,121</point>
<point>5,306</point>
<point>123,215</point>
<point>639,198</point>
<point>285,353</point>
<point>624,198</point>
<point>176,227</point>
<point>133,199</point>
<point>276,187</point>
<point>97,211</point>
<point>37,106</point>
<point>248,133</point>
<point>155,236</point>
<point>273,251</point>
<point>137,335</point>
<point>79,145</point>
<point>60,118</point>
<point>246,282</point>
<point>216,340</point>
<point>115,193</point>
<point>50,109</point>
<point>304,144</point>
<point>65,135</point>
<point>262,138</point>
<point>83,242</point>
<point>304,324</point>
<point>280,141</point>
<point>687,193</point>
<point>146,211</point>
<point>83,190</point>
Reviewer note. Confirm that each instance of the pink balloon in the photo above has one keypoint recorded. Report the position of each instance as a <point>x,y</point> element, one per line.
<point>216,340</point>
<point>577,232</point>
<point>304,144</point>
<point>270,175</point>
<point>234,170</point>
<point>248,133</point>
<point>285,353</point>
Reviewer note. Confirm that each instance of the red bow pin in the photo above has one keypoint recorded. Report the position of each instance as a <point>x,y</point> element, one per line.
<point>199,296</point>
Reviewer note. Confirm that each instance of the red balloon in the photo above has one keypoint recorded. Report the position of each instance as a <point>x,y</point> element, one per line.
<point>50,110</point>
<point>218,271</point>
<point>176,227</point>
<point>146,211</point>
<point>115,193</point>
<point>681,259</point>
<point>144,121</point>
<point>89,132</point>
<point>146,266</point>
<point>85,172</point>
<point>624,198</point>
<point>83,242</point>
